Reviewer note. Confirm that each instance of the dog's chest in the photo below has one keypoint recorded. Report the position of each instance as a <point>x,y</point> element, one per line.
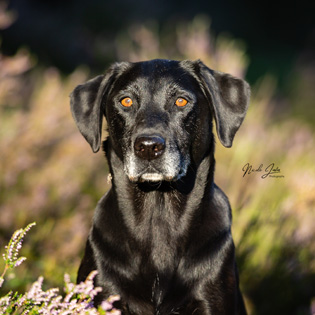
<point>160,228</point>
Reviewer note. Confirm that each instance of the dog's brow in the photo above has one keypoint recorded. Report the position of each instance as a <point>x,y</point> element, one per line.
<point>175,88</point>
<point>133,88</point>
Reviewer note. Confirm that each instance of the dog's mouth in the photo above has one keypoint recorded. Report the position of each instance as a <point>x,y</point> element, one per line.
<point>150,176</point>
<point>155,177</point>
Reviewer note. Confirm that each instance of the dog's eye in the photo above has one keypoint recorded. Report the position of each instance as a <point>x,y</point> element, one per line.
<point>181,102</point>
<point>127,102</point>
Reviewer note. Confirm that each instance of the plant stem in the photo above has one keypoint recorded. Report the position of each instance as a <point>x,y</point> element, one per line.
<point>4,271</point>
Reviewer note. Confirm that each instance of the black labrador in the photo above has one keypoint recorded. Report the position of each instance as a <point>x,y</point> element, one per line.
<point>161,236</point>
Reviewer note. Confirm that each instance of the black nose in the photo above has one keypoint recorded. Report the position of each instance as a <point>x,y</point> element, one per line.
<point>149,147</point>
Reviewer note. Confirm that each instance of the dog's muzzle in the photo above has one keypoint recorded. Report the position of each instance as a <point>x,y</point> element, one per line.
<point>149,148</point>
<point>152,158</point>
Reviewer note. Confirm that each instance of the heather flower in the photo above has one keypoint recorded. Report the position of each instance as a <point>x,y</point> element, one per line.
<point>107,305</point>
<point>84,289</point>
<point>12,251</point>
<point>78,299</point>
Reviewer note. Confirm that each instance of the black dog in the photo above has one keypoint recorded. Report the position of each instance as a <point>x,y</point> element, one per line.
<point>161,236</point>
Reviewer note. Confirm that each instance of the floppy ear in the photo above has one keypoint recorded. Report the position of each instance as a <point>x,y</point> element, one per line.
<point>87,106</point>
<point>86,110</point>
<point>229,98</point>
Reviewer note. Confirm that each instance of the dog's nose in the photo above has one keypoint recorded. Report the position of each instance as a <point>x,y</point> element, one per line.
<point>149,147</point>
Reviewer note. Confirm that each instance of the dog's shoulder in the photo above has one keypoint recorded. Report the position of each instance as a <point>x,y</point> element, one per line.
<point>221,203</point>
<point>104,216</point>
<point>220,197</point>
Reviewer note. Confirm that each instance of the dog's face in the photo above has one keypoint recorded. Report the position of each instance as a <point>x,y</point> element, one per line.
<point>159,114</point>
<point>152,112</point>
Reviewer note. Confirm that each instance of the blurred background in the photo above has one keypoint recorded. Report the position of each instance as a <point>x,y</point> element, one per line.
<point>49,174</point>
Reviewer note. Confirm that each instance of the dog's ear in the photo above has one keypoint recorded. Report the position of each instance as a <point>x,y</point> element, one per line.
<point>87,105</point>
<point>86,110</point>
<point>229,98</point>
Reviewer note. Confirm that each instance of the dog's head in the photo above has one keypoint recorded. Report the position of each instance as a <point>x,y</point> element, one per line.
<point>159,114</point>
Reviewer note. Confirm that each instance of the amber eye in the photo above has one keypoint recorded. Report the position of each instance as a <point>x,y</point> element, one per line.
<point>127,102</point>
<point>181,102</point>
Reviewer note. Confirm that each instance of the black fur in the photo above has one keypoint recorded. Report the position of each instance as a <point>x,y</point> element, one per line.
<point>161,236</point>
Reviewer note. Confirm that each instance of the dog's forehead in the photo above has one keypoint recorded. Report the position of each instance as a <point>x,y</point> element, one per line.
<point>157,74</point>
<point>158,67</point>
